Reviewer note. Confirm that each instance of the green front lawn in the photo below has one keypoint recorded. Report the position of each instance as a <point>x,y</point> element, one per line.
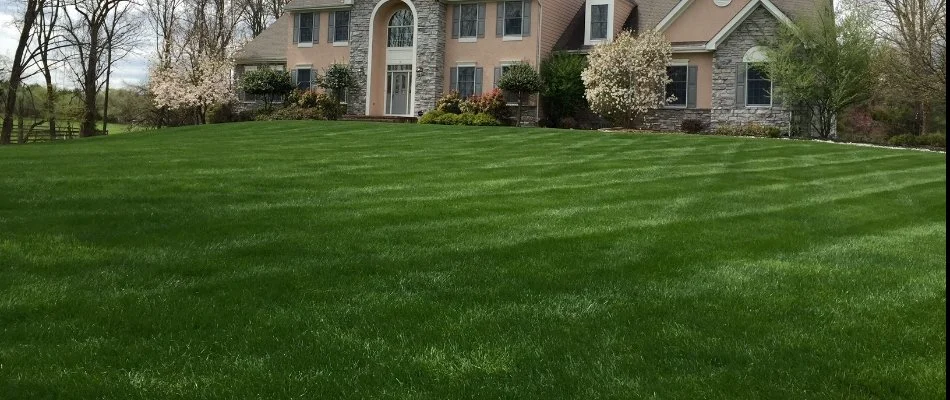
<point>359,260</point>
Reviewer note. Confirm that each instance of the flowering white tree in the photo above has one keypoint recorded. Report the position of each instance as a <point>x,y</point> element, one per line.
<point>627,77</point>
<point>196,86</point>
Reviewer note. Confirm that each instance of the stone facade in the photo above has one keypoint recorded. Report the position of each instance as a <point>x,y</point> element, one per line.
<point>671,119</point>
<point>756,30</point>
<point>359,51</point>
<point>430,52</point>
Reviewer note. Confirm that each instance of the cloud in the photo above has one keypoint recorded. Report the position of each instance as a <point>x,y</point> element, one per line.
<point>132,70</point>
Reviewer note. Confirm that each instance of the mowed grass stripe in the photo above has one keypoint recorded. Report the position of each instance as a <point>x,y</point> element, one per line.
<point>363,260</point>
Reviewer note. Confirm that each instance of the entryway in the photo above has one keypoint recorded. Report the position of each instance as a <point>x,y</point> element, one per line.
<point>398,87</point>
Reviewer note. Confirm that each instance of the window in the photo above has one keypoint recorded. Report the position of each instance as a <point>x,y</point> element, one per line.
<point>341,26</point>
<point>598,21</point>
<point>679,86</point>
<point>305,28</point>
<point>400,29</point>
<point>303,78</point>
<point>510,98</point>
<point>514,12</point>
<point>468,21</point>
<point>466,82</point>
<point>341,94</point>
<point>758,86</point>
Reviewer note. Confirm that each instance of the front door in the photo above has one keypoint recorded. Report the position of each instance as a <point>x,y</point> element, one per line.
<point>398,87</point>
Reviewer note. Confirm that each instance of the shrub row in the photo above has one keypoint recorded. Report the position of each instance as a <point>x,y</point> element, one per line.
<point>480,110</point>
<point>936,140</point>
<point>308,104</point>
<point>445,118</point>
<point>749,130</point>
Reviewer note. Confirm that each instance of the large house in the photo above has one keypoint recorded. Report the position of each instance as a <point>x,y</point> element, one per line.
<point>407,53</point>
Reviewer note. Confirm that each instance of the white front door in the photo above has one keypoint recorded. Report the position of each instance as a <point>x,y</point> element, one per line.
<point>398,87</point>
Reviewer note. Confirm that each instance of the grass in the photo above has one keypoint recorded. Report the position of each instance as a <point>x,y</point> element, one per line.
<point>359,260</point>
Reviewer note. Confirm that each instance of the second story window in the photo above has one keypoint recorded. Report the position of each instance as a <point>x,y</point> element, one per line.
<point>339,28</point>
<point>468,20</point>
<point>514,12</point>
<point>304,24</point>
<point>400,29</point>
<point>598,21</point>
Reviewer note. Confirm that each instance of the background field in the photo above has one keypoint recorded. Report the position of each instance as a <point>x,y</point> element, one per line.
<point>359,260</point>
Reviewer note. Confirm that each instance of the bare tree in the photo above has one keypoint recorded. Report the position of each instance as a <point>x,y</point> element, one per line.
<point>49,38</point>
<point>256,15</point>
<point>165,18</point>
<point>87,26</point>
<point>22,58</point>
<point>915,31</point>
<point>276,7</point>
<point>121,38</point>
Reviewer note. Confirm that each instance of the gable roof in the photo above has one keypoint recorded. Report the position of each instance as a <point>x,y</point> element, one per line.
<point>269,45</point>
<point>742,15</point>
<point>790,9</point>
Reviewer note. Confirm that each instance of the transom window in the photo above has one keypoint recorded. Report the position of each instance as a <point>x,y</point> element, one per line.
<point>598,21</point>
<point>341,26</point>
<point>514,12</point>
<point>468,20</point>
<point>466,82</point>
<point>305,28</point>
<point>400,29</point>
<point>758,86</point>
<point>678,87</point>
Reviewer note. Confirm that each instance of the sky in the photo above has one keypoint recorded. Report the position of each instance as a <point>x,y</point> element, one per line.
<point>132,70</point>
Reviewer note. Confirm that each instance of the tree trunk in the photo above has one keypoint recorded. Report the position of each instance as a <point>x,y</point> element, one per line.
<point>520,102</point>
<point>16,71</point>
<point>88,125</point>
<point>50,104</point>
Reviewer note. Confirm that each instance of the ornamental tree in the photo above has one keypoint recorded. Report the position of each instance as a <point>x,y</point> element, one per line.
<point>267,83</point>
<point>522,80</point>
<point>824,64</point>
<point>336,79</point>
<point>627,77</point>
<point>195,85</point>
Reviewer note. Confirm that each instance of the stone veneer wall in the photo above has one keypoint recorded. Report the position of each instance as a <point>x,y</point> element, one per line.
<point>671,119</point>
<point>430,52</point>
<point>756,30</point>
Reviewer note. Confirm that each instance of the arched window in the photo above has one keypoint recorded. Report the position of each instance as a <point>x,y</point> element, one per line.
<point>400,29</point>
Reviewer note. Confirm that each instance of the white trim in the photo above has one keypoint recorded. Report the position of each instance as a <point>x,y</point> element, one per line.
<point>369,57</point>
<point>467,39</point>
<point>464,64</point>
<point>341,44</point>
<point>741,16</point>
<point>676,62</point>
<point>304,44</point>
<point>512,38</point>
<point>722,3</point>
<point>690,48</point>
<point>610,21</point>
<point>672,15</point>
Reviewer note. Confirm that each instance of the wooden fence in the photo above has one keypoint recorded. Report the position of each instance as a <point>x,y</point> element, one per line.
<point>39,134</point>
